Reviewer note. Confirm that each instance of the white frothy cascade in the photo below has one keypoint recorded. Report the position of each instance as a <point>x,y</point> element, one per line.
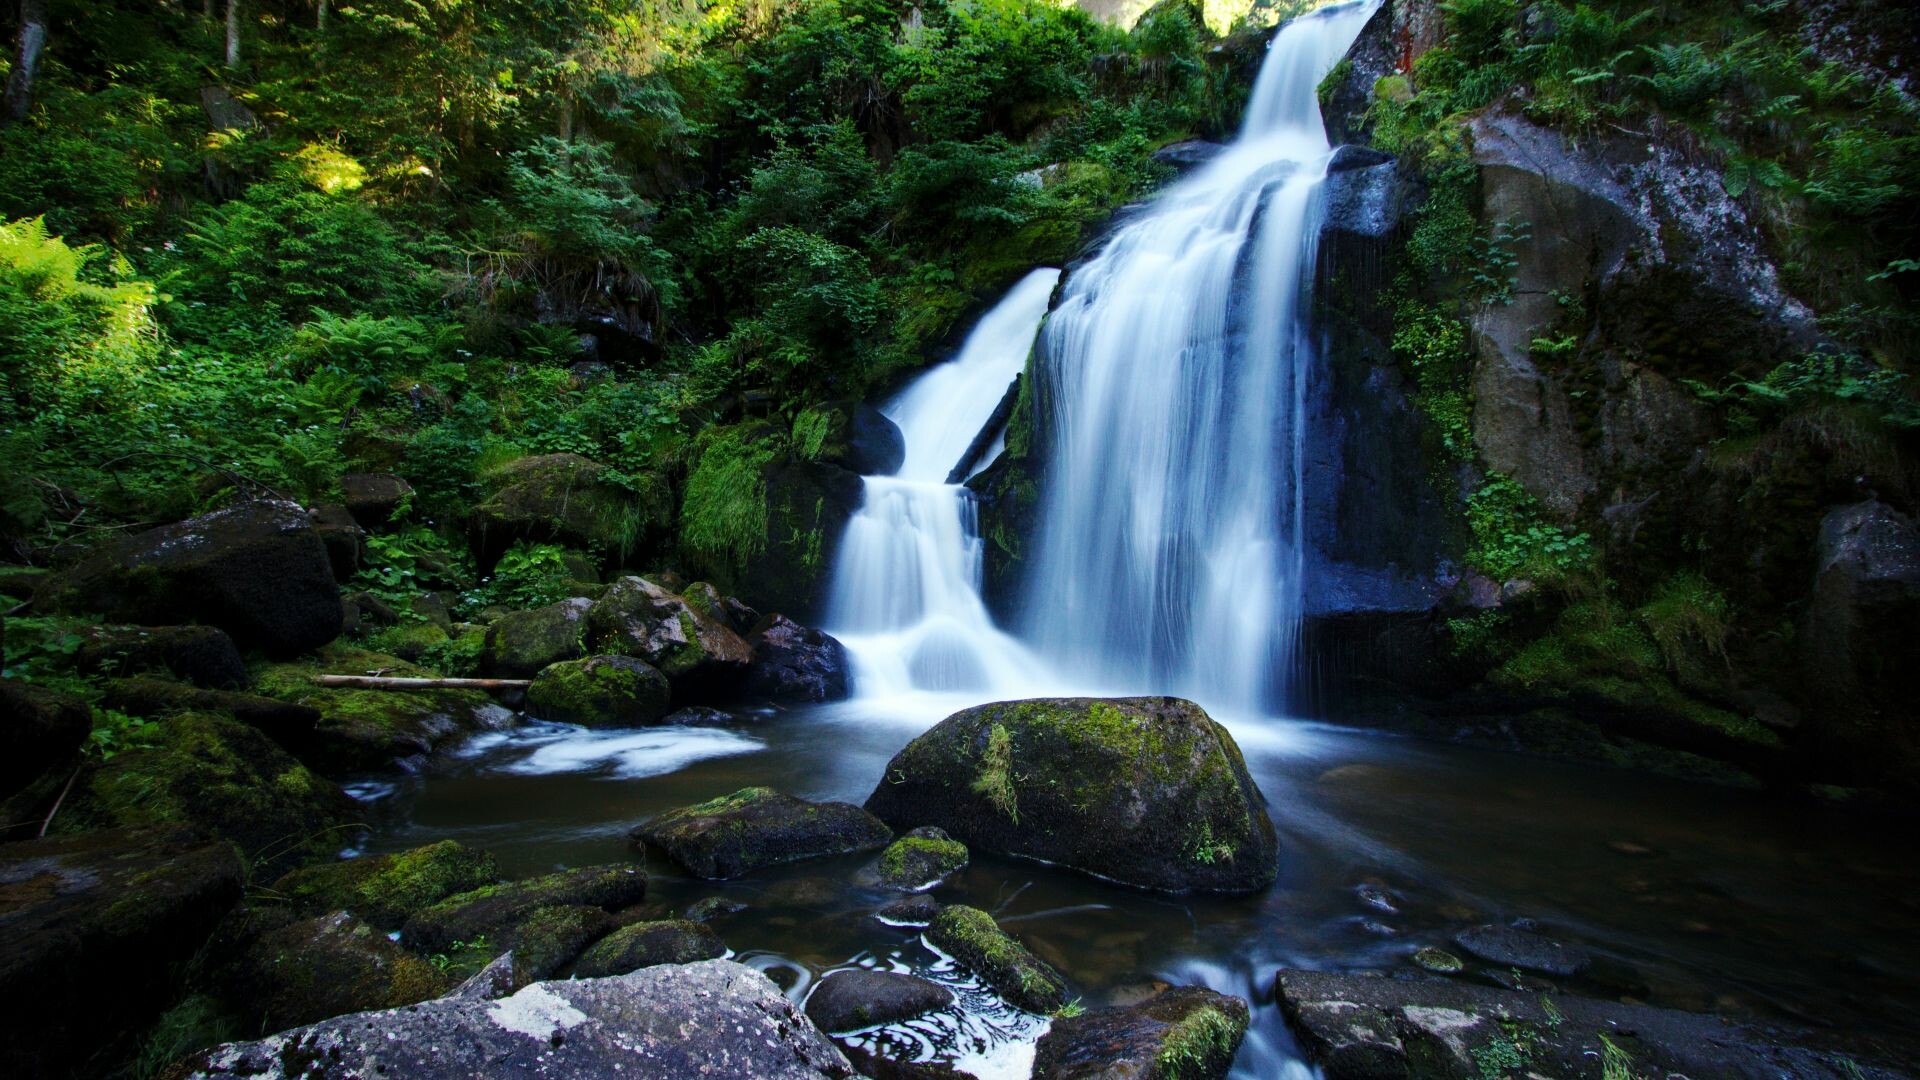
<point>1175,375</point>
<point>906,591</point>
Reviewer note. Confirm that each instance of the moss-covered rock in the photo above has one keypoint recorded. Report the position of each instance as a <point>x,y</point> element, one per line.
<point>1186,1033</point>
<point>547,939</point>
<point>40,730</point>
<point>202,655</point>
<point>971,936</point>
<point>384,890</point>
<point>756,827</point>
<point>409,640</point>
<point>287,723</point>
<point>328,966</point>
<point>94,929</point>
<point>697,652</point>
<point>371,729</point>
<point>520,643</point>
<point>226,779</point>
<point>1146,791</point>
<point>644,944</point>
<point>808,505</point>
<point>568,499</point>
<point>489,912</point>
<point>600,691</point>
<point>920,860</point>
<point>258,570</point>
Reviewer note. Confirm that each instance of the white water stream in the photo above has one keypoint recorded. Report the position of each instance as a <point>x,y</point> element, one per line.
<point>1174,370</point>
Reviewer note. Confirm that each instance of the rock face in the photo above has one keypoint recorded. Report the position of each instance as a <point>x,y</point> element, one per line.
<point>520,643</point>
<point>1861,654</point>
<point>316,968</point>
<point>808,506</point>
<point>859,998</point>
<point>1361,1027</point>
<point>563,497</point>
<point>600,691</point>
<point>490,910</point>
<point>1145,791</point>
<point>646,944</point>
<point>796,663</point>
<point>859,438</point>
<point>259,571</point>
<point>202,655</point>
<point>752,828</point>
<point>92,929</point>
<point>971,936</point>
<point>716,1018</point>
<point>1185,1032</point>
<point>695,650</point>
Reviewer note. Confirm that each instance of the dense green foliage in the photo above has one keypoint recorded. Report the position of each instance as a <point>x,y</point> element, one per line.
<point>376,243</point>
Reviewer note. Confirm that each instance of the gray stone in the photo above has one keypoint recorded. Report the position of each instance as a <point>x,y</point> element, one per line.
<point>861,998</point>
<point>752,828</point>
<point>647,944</point>
<point>1507,946</point>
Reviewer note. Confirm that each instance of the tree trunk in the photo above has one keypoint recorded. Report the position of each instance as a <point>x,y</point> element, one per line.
<point>320,16</point>
<point>395,682</point>
<point>31,39</point>
<point>233,33</point>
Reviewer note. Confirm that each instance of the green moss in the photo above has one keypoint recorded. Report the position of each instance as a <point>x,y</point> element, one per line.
<point>408,641</point>
<point>1201,1044</point>
<point>366,728</point>
<point>723,517</point>
<point>384,889</point>
<point>974,939</point>
<point>912,861</point>
<point>600,690</point>
<point>995,778</point>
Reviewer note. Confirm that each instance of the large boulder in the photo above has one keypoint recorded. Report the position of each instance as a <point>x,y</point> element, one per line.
<point>316,968</point>
<point>853,435</point>
<point>856,998</point>
<point>94,930</point>
<point>287,723</point>
<point>372,498</point>
<point>600,691</point>
<point>385,890</point>
<point>797,663</point>
<point>697,652</point>
<point>40,731</point>
<point>489,911</point>
<point>569,499</point>
<point>1362,1027</point>
<point>737,834</point>
<point>716,1018</point>
<point>224,778</point>
<point>520,643</point>
<point>1861,656</point>
<point>374,729</point>
<point>258,570</point>
<point>1144,791</point>
<point>1188,1032</point>
<point>202,655</point>
<point>645,944</point>
<point>971,936</point>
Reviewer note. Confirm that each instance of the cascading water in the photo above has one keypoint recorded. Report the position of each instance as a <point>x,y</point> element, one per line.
<point>1174,372</point>
<point>906,592</point>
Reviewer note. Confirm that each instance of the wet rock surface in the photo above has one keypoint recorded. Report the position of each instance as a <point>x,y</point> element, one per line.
<point>1145,791</point>
<point>697,652</point>
<point>1186,1032</point>
<point>1363,1027</point>
<point>971,936</point>
<point>860,998</point>
<point>40,731</point>
<point>384,890</point>
<point>600,691</point>
<point>491,910</point>
<point>739,833</point>
<point>521,643</point>
<point>715,1018</point>
<point>796,663</point>
<point>1509,946</point>
<point>202,655</point>
<point>920,860</point>
<point>316,968</point>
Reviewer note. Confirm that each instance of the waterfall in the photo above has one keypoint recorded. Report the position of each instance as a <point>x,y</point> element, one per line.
<point>905,597</point>
<point>1175,375</point>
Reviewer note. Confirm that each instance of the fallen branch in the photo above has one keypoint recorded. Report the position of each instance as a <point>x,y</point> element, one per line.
<point>395,682</point>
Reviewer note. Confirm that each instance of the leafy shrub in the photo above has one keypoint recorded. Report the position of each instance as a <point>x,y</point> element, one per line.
<point>1513,538</point>
<point>73,335</point>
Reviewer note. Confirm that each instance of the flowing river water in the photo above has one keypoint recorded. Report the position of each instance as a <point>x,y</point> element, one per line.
<point>1174,366</point>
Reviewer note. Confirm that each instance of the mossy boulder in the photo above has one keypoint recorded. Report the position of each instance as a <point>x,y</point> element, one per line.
<point>226,779</point>
<point>384,890</point>
<point>372,498</point>
<point>808,505</point>
<point>644,944</point>
<point>970,936</point>
<point>410,641</point>
<point>861,998</point>
<point>373,729</point>
<point>1145,791</point>
<point>287,723</point>
<point>853,435</point>
<point>520,643</point>
<point>40,731</point>
<point>547,939</point>
<point>568,499</point>
<point>327,966</point>
<point>258,570</point>
<point>600,691</point>
<point>344,539</point>
<point>202,655</point>
<point>797,663</point>
<point>697,652</point>
<point>757,827</point>
<point>94,929</point>
<point>489,912</point>
<point>920,860</point>
<point>1185,1033</point>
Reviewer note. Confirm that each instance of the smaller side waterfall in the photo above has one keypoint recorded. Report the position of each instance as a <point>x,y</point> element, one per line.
<point>906,597</point>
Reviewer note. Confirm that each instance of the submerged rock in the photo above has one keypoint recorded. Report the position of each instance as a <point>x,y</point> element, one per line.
<point>1507,946</point>
<point>1188,1032</point>
<point>757,827</point>
<point>384,890</point>
<point>920,860</point>
<point>600,691</point>
<point>1362,1027</point>
<point>258,570</point>
<point>521,643</point>
<point>696,651</point>
<point>861,998</point>
<point>971,936</point>
<point>93,929</point>
<point>1144,791</point>
<point>916,910</point>
<point>1439,961</point>
<point>327,966</point>
<point>716,1018</point>
<point>490,911</point>
<point>646,944</point>
<point>797,663</point>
